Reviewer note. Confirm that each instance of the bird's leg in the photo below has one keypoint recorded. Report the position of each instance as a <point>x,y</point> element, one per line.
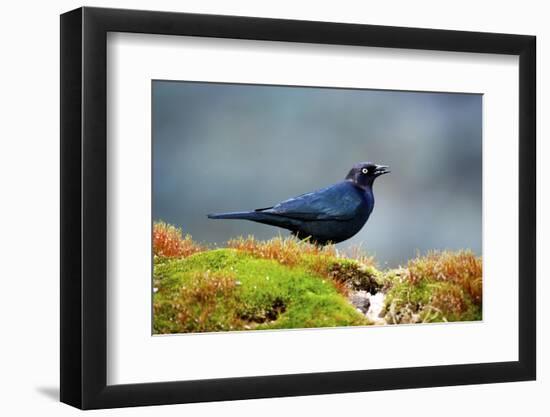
<point>307,239</point>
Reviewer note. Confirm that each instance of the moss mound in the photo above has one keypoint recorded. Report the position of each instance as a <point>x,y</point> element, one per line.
<point>227,289</point>
<point>288,283</point>
<point>439,287</point>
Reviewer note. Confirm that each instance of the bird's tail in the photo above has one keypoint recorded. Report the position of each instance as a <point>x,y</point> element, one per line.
<point>259,216</point>
<point>245,215</point>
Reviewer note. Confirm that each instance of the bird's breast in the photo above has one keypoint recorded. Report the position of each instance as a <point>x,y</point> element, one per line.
<point>368,196</point>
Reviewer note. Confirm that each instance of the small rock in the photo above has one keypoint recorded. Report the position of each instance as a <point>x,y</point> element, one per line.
<point>369,305</point>
<point>360,300</point>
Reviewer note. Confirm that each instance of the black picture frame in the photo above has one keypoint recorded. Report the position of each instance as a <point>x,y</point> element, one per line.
<point>84,207</point>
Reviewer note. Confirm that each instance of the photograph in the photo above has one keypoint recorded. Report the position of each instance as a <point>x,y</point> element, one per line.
<point>268,205</point>
<point>294,207</point>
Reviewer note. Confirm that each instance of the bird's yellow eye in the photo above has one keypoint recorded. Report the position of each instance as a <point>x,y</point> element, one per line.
<point>365,171</point>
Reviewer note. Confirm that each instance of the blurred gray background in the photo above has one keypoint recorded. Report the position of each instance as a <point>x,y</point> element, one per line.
<point>226,147</point>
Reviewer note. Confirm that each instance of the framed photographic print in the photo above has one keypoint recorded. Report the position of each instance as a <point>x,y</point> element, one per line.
<point>258,207</point>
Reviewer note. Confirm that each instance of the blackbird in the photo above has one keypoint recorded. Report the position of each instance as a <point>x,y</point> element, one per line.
<point>329,215</point>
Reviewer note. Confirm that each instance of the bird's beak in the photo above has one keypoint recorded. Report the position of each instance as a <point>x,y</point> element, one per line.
<point>381,170</point>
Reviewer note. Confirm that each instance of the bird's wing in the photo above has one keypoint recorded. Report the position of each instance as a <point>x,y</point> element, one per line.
<point>337,202</point>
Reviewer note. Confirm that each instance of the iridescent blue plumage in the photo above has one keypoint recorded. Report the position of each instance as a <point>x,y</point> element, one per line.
<point>330,215</point>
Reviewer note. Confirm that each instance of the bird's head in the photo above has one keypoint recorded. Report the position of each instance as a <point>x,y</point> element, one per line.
<point>363,174</point>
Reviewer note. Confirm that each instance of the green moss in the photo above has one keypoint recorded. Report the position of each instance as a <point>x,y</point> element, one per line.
<point>225,289</point>
<point>355,275</point>
<point>286,283</point>
<point>427,301</point>
<point>440,286</point>
<point>318,310</point>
